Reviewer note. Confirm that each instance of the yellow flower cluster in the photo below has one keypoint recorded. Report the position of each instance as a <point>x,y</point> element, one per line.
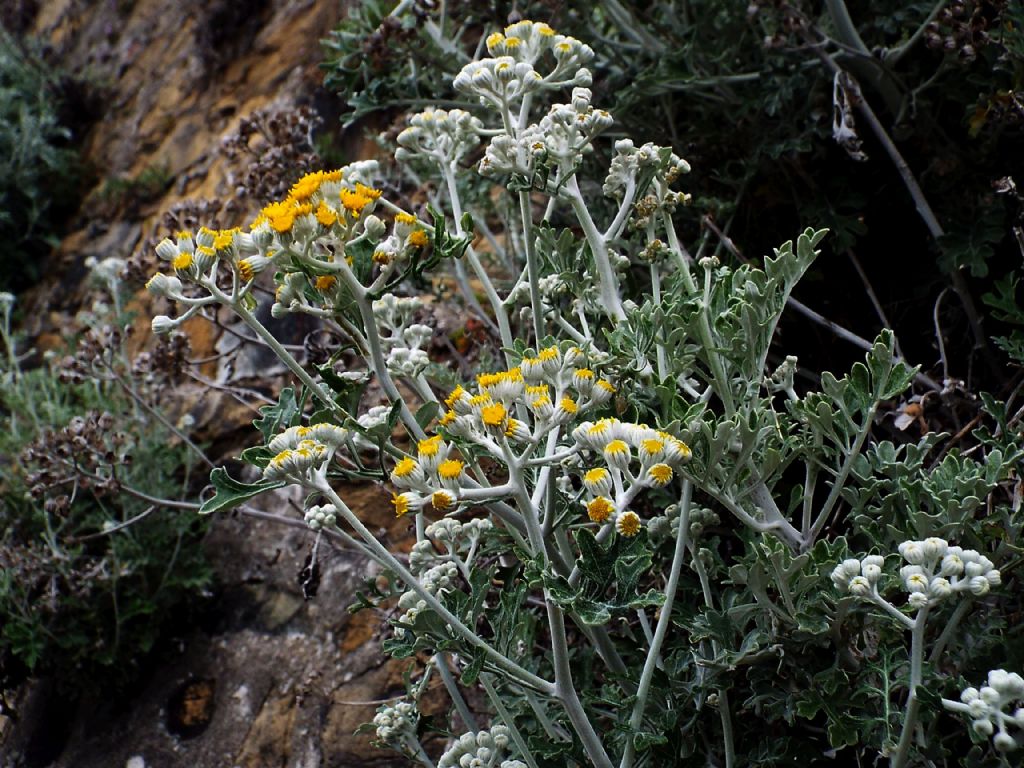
<point>432,476</point>
<point>321,195</point>
<point>549,385</point>
<point>610,488</point>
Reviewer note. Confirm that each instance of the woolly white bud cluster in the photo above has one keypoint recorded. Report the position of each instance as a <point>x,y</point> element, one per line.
<point>479,750</point>
<point>934,571</point>
<point>634,457</point>
<point>630,161</point>
<point>402,338</point>
<point>445,136</point>
<point>318,517</point>
<point>994,708</point>
<point>437,580</point>
<point>396,724</point>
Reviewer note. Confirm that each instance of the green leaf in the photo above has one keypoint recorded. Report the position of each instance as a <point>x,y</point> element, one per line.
<point>230,492</point>
<point>276,418</point>
<point>258,456</point>
<point>427,413</point>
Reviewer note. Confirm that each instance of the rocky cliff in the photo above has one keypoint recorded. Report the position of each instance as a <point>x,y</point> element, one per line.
<point>271,680</point>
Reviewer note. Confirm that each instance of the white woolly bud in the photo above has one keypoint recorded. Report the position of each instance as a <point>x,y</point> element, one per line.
<point>162,324</point>
<point>912,552</point>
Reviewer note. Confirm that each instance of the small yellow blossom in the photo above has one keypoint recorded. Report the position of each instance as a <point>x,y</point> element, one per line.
<point>447,418</point>
<point>419,239</point>
<point>304,188</point>
<point>599,509</point>
<point>660,474</point>
<point>405,467</point>
<point>405,218</point>
<point>568,405</point>
<point>400,502</point>
<point>325,214</point>
<point>430,446</point>
<point>494,415</point>
<point>454,397</point>
<point>354,201</point>
<point>628,523</point>
<point>223,239</point>
<point>182,261</point>
<point>324,282</point>
<point>450,469</point>
<point>245,270</point>
<point>381,257</point>
<point>442,500</point>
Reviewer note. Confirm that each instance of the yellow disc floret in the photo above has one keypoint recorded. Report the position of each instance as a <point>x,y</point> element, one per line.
<point>450,469</point>
<point>405,467</point>
<point>628,523</point>
<point>494,415</point>
<point>599,509</point>
<point>430,446</point>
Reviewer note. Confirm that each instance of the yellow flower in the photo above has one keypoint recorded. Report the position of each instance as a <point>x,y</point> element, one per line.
<point>325,215</point>
<point>628,523</point>
<point>599,509</point>
<point>660,474</point>
<point>430,446</point>
<point>304,188</point>
<point>442,500</point>
<point>454,397</point>
<point>381,257</point>
<point>447,418</point>
<point>568,405</point>
<point>354,201</point>
<point>333,175</point>
<point>245,270</point>
<point>494,415</point>
<point>450,469</point>
<point>405,218</point>
<point>223,239</point>
<point>400,502</point>
<point>182,261</point>
<point>405,467</point>
<point>324,282</point>
<point>366,191</point>
<point>418,239</point>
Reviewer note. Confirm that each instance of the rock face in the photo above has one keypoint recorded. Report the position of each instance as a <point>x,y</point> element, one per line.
<point>171,79</point>
<point>273,680</point>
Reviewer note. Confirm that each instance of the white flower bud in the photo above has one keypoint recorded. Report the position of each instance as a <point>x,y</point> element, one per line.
<point>166,249</point>
<point>983,727</point>
<point>162,324</point>
<point>916,582</point>
<point>980,586</point>
<point>374,227</point>
<point>969,695</point>
<point>851,566</point>
<point>876,560</point>
<point>990,696</point>
<point>978,707</point>
<point>935,547</point>
<point>871,572</point>
<point>912,552</point>
<point>1004,742</point>
<point>917,600</point>
<point>952,565</point>
<point>860,586</point>
<point>939,588</point>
